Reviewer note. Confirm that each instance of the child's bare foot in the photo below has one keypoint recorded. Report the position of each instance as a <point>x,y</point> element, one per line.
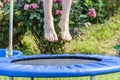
<point>64,26</point>
<point>49,31</point>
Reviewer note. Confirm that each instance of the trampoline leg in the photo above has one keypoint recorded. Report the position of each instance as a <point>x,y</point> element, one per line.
<point>92,77</point>
<point>10,78</point>
<point>31,78</point>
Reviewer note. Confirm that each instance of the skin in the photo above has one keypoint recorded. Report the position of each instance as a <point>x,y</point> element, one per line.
<point>49,30</point>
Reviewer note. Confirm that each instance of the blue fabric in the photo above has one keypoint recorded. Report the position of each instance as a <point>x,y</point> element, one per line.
<point>15,53</point>
<point>108,64</point>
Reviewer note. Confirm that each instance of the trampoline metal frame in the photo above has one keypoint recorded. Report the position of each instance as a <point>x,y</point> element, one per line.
<point>91,78</point>
<point>10,78</point>
<point>11,28</point>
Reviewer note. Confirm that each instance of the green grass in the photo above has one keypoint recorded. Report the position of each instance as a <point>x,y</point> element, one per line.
<point>98,38</point>
<point>113,76</point>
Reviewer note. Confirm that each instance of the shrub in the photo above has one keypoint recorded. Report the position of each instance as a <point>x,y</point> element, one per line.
<point>112,7</point>
<point>28,14</point>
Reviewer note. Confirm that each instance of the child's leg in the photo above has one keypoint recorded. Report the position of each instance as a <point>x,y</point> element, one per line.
<point>64,22</point>
<point>49,31</point>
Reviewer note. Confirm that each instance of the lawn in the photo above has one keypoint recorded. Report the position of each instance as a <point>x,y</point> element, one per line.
<point>113,76</point>
<point>97,38</point>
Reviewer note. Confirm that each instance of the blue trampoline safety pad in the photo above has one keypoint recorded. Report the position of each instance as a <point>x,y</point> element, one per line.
<point>106,64</point>
<point>15,53</point>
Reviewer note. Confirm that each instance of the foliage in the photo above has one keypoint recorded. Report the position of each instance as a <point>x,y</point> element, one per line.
<point>98,39</point>
<point>3,30</point>
<point>112,7</point>
<point>83,9</point>
<point>32,18</point>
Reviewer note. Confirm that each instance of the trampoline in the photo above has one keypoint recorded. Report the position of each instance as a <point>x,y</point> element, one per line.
<point>54,65</point>
<point>3,53</point>
<point>58,65</point>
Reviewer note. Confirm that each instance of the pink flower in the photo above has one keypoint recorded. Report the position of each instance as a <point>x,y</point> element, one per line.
<point>17,1</point>
<point>58,12</point>
<point>34,6</point>
<point>1,4</point>
<point>54,0</point>
<point>92,13</point>
<point>26,7</point>
<point>6,1</point>
<point>60,1</point>
<point>76,30</point>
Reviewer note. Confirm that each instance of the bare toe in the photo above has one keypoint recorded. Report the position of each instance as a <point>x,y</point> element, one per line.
<point>66,36</point>
<point>51,36</point>
<point>50,33</point>
<point>65,31</point>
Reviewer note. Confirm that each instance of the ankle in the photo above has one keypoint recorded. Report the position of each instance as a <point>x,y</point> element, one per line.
<point>48,17</point>
<point>48,20</point>
<point>64,19</point>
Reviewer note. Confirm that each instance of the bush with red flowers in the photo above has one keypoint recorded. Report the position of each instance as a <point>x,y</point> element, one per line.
<point>28,14</point>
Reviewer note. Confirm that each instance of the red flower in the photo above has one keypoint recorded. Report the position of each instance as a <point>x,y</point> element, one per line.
<point>92,13</point>
<point>26,7</point>
<point>76,30</point>
<point>34,6</point>
<point>6,1</point>
<point>58,12</point>
<point>59,1</point>
<point>17,1</point>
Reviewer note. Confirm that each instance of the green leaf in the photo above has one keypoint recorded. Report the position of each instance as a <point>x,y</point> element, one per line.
<point>31,17</point>
<point>28,1</point>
